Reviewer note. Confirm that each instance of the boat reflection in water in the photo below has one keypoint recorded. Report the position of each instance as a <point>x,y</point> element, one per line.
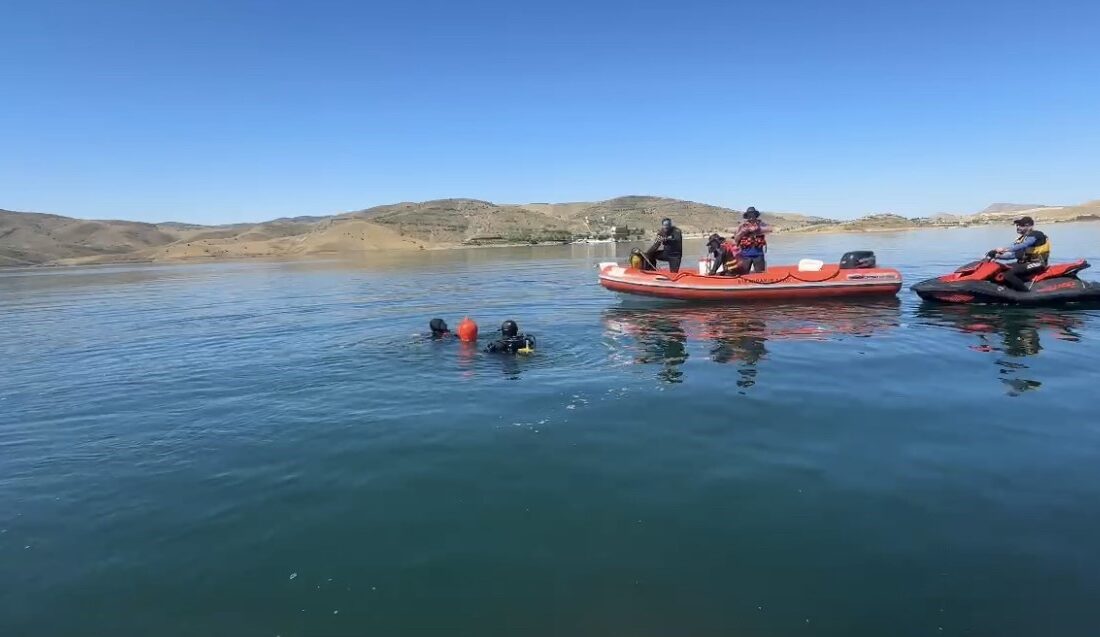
<point>736,334</point>
<point>1009,333</point>
<point>659,337</point>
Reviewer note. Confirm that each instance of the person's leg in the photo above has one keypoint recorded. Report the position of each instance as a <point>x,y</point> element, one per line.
<point>1033,269</point>
<point>1013,276</point>
<point>673,263</point>
<point>758,264</point>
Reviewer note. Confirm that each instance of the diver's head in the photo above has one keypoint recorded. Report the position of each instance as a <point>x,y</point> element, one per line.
<point>750,213</point>
<point>438,327</point>
<point>1024,225</point>
<point>509,328</point>
<point>666,224</point>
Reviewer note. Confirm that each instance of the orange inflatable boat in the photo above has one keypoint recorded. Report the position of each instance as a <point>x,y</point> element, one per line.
<point>855,275</point>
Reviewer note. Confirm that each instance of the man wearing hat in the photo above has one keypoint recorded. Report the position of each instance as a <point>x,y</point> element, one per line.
<point>752,242</point>
<point>1031,250</point>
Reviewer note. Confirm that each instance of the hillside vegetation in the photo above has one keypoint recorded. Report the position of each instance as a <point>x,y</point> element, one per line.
<point>36,239</point>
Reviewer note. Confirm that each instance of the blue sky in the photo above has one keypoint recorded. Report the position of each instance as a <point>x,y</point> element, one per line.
<point>219,111</point>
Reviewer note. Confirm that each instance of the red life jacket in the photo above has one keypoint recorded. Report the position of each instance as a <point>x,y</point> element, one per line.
<point>753,240</point>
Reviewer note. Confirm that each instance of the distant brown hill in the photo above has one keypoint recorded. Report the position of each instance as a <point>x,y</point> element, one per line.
<point>870,223</point>
<point>462,220</point>
<point>1005,213</point>
<point>994,214</point>
<point>35,239</point>
<point>998,208</point>
<point>459,220</point>
<point>28,238</point>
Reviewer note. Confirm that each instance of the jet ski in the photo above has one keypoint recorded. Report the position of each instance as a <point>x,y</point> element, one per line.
<point>983,282</point>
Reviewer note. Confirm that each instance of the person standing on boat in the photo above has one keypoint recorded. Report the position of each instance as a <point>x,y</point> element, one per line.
<point>752,242</point>
<point>1031,251</point>
<point>669,246</point>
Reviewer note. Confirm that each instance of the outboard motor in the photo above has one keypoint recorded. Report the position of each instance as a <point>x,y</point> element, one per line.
<point>857,260</point>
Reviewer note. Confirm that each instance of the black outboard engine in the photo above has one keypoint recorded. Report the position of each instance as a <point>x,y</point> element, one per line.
<point>857,260</point>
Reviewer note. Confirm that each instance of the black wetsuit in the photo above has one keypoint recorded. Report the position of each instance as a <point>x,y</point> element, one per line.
<point>668,247</point>
<point>511,344</point>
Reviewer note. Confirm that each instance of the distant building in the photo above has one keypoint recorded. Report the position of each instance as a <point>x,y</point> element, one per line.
<point>620,233</point>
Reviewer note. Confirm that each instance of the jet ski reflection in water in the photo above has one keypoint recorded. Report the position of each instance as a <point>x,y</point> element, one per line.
<point>1010,334</point>
<point>738,335</point>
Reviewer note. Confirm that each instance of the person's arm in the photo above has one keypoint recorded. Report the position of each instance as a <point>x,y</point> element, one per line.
<point>764,228</point>
<point>1014,251</point>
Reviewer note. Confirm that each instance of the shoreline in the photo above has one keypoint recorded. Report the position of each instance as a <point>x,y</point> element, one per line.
<point>138,260</point>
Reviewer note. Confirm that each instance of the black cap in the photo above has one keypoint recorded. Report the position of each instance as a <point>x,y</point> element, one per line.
<point>750,213</point>
<point>1025,221</point>
<point>509,328</point>
<point>666,222</point>
<point>438,326</point>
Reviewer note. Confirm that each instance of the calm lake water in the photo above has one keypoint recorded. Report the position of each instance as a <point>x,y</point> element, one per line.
<point>276,449</point>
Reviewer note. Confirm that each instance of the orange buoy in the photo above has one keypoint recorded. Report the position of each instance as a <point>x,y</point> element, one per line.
<point>467,330</point>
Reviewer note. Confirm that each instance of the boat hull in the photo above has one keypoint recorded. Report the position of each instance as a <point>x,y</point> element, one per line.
<point>778,282</point>
<point>1056,291</point>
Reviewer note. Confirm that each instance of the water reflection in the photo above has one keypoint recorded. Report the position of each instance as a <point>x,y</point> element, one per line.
<point>1009,333</point>
<point>739,341</point>
<point>735,335</point>
<point>659,338</point>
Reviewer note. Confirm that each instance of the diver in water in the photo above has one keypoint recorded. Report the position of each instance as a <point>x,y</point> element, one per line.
<point>439,328</point>
<point>466,332</point>
<point>511,340</point>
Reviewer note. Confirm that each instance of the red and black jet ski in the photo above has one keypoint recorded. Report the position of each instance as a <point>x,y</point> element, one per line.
<point>983,282</point>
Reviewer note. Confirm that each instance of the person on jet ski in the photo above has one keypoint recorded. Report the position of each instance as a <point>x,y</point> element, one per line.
<point>1031,250</point>
<point>511,341</point>
<point>669,246</point>
<point>752,242</point>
